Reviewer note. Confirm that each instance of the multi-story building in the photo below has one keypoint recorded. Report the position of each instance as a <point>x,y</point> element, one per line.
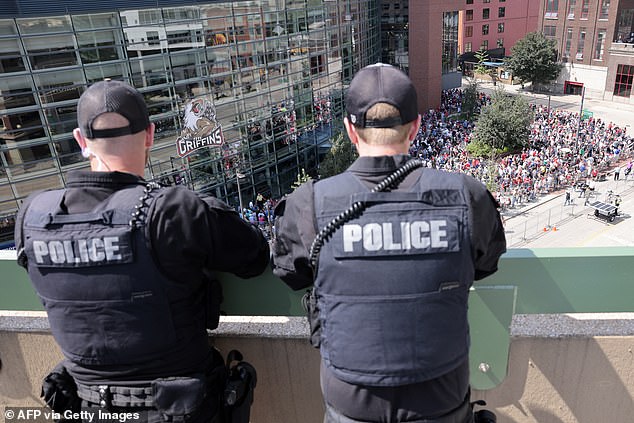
<point>491,24</point>
<point>271,73</point>
<point>595,40</point>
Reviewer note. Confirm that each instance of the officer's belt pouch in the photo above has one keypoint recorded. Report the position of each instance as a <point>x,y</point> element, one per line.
<point>312,313</point>
<point>178,398</point>
<point>59,390</point>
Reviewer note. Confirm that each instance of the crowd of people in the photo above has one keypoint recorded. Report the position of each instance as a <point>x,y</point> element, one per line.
<point>6,228</point>
<point>562,153</point>
<point>282,125</point>
<point>261,213</point>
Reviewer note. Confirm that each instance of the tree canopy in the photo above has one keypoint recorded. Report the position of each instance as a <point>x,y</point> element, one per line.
<point>534,59</point>
<point>503,125</point>
<point>339,157</point>
<point>470,98</point>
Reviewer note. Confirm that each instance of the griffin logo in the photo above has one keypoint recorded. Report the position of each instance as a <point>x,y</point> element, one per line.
<point>200,127</point>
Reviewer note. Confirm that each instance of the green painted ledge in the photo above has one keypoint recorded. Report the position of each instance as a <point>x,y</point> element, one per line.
<point>529,281</point>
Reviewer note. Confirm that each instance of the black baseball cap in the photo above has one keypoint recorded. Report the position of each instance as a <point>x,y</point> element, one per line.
<point>112,97</point>
<point>381,83</point>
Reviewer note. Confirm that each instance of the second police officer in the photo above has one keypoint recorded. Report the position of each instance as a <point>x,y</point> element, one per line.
<point>392,259</point>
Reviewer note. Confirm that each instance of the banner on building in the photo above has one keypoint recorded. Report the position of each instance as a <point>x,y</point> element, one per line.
<point>200,127</point>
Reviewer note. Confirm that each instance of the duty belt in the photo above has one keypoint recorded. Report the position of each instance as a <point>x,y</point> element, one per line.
<point>119,396</point>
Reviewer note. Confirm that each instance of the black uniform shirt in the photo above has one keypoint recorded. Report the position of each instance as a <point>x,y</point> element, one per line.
<point>296,228</point>
<point>296,225</point>
<point>190,233</point>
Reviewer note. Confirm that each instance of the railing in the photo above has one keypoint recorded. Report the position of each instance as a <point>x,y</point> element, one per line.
<point>526,224</point>
<point>622,47</point>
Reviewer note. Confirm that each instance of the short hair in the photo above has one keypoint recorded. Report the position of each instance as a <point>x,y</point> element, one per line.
<point>384,136</point>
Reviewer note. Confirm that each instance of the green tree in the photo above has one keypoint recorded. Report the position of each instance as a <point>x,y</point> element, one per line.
<point>470,98</point>
<point>483,69</point>
<point>339,157</point>
<point>482,56</point>
<point>534,59</point>
<point>503,126</point>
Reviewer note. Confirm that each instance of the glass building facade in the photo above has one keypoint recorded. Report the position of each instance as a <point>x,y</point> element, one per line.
<point>395,33</point>
<point>273,71</point>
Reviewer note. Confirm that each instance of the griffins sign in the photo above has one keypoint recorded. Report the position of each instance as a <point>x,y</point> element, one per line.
<point>200,127</point>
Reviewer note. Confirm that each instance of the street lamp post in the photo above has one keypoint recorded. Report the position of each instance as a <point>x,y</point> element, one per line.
<point>583,94</point>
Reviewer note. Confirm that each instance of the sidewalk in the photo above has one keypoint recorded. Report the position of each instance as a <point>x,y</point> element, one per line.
<point>547,222</point>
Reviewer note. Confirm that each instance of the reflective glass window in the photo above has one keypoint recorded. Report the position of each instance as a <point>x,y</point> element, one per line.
<point>10,56</point>
<point>67,149</point>
<point>599,47</point>
<point>179,14</point>
<point>40,26</point>
<point>100,72</point>
<point>585,9</point>
<point>61,119</point>
<point>149,71</point>
<point>158,100</point>
<point>16,91</point>
<point>568,43</point>
<point>50,52</point>
<point>99,46</point>
<point>189,64</point>
<point>57,86</point>
<point>571,8</point>
<point>605,9</point>
<point>7,27</point>
<point>624,79</point>
<point>552,8</point>
<point>95,21</point>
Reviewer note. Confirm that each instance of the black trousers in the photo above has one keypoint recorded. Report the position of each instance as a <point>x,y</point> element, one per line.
<point>463,414</point>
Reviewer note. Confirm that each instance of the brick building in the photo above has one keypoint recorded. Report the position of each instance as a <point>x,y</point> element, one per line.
<point>595,40</point>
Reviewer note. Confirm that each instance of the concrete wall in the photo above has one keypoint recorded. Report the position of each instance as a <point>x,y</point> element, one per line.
<point>566,380</point>
<point>592,77</point>
<point>552,377</point>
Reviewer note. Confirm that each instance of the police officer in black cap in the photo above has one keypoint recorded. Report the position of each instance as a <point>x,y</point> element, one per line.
<point>392,260</point>
<point>123,266</point>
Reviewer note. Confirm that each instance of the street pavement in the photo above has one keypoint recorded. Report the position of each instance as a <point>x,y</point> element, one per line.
<point>546,222</point>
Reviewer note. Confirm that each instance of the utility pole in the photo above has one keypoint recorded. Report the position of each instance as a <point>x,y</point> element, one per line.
<point>583,94</point>
<point>238,176</point>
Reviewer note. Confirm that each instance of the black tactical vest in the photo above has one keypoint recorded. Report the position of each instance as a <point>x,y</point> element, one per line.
<point>392,284</point>
<point>107,302</point>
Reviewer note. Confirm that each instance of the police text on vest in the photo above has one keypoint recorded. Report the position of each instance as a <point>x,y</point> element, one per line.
<point>91,250</point>
<point>417,235</point>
